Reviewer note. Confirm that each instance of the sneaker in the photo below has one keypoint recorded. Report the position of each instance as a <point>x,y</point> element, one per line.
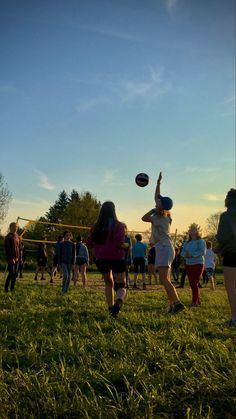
<point>229,323</point>
<point>43,279</point>
<point>170,309</point>
<point>176,307</point>
<point>115,309</point>
<point>144,286</point>
<point>35,278</point>
<point>135,287</point>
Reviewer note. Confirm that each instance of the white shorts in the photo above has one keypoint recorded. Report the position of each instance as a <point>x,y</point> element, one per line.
<point>165,254</point>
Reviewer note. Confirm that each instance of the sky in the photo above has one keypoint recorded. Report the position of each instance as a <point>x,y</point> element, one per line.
<point>93,92</point>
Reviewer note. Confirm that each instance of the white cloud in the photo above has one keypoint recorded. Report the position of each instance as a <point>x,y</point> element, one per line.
<point>44,181</point>
<point>213,198</point>
<point>199,169</point>
<point>170,4</point>
<point>151,87</point>
<point>90,104</point>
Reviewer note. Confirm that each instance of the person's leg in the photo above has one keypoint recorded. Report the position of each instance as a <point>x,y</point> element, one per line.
<point>194,274</point>
<point>65,276</point>
<point>230,286</point>
<point>135,279</point>
<point>14,276</point>
<point>109,288</point>
<point>149,267</point>
<point>175,303</point>
<point>42,272</point>
<point>36,272</point>
<point>82,270</point>
<point>9,277</point>
<point>154,273</point>
<point>69,269</point>
<point>76,274</point>
<point>212,281</point>
<point>164,276</point>
<point>143,272</point>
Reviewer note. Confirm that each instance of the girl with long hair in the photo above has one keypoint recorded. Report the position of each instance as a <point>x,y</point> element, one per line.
<point>160,219</point>
<point>226,237</point>
<point>107,239</point>
<point>194,250</point>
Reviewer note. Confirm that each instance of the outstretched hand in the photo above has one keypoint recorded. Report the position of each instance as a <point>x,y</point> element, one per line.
<point>159,178</point>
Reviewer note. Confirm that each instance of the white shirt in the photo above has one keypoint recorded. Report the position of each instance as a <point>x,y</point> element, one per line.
<point>210,257</point>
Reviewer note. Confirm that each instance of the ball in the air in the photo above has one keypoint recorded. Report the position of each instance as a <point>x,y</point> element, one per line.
<point>142,179</point>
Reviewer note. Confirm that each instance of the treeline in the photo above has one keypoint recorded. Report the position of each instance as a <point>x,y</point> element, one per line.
<point>77,209</point>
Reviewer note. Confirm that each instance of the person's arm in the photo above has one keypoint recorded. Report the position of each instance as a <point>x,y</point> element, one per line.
<point>86,254</point>
<point>158,188</point>
<point>148,216</point>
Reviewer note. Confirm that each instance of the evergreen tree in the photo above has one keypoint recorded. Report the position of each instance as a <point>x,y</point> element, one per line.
<point>55,212</point>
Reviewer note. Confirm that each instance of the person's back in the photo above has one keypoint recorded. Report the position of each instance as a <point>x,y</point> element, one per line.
<point>139,250</point>
<point>66,252</point>
<point>112,246</point>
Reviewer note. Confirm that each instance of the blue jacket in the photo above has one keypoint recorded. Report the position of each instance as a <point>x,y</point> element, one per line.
<point>197,250</point>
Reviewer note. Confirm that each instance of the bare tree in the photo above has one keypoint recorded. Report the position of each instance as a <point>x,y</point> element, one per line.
<point>5,198</point>
<point>212,224</point>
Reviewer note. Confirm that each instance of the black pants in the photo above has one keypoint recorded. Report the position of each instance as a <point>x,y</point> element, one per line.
<point>11,277</point>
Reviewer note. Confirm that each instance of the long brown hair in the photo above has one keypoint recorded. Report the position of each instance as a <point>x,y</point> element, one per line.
<point>107,215</point>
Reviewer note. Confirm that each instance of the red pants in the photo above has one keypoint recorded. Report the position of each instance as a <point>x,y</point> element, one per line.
<point>194,273</point>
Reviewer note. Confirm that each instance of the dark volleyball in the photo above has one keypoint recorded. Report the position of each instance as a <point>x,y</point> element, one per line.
<point>142,179</point>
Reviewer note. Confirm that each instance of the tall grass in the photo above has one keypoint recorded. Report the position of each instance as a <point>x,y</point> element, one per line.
<point>64,357</point>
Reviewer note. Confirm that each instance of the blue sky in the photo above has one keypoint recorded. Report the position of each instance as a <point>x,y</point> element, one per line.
<point>94,92</point>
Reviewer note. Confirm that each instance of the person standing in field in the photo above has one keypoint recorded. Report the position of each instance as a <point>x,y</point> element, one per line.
<point>175,266</point>
<point>55,265</point>
<point>209,265</point>
<point>128,255</point>
<point>194,250</point>
<point>42,259</point>
<point>107,239</point>
<point>160,219</point>
<point>66,259</point>
<point>81,261</point>
<point>139,252</point>
<point>151,264</point>
<point>226,237</point>
<point>12,246</point>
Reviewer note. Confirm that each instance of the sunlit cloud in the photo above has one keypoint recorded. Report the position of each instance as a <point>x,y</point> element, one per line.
<point>92,103</point>
<point>213,198</point>
<point>44,181</point>
<point>170,5</point>
<point>199,169</point>
<point>151,87</point>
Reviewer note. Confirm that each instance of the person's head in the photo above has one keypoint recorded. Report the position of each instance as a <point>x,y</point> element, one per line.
<point>13,227</point>
<point>230,200</point>
<point>138,237</point>
<point>67,235</point>
<point>106,218</point>
<point>60,238</point>
<point>107,210</point>
<point>209,244</point>
<point>194,231</point>
<point>79,238</point>
<point>164,204</point>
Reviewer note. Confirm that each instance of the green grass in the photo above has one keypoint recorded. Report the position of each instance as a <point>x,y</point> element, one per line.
<point>64,357</point>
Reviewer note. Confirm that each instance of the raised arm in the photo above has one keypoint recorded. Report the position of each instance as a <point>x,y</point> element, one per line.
<point>158,188</point>
<point>148,216</point>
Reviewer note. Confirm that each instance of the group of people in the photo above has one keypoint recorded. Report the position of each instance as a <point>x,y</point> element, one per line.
<point>107,238</point>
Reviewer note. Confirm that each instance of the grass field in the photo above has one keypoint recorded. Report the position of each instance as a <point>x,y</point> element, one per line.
<point>64,357</point>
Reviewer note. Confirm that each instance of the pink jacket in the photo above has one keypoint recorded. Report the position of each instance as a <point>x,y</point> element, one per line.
<point>111,249</point>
